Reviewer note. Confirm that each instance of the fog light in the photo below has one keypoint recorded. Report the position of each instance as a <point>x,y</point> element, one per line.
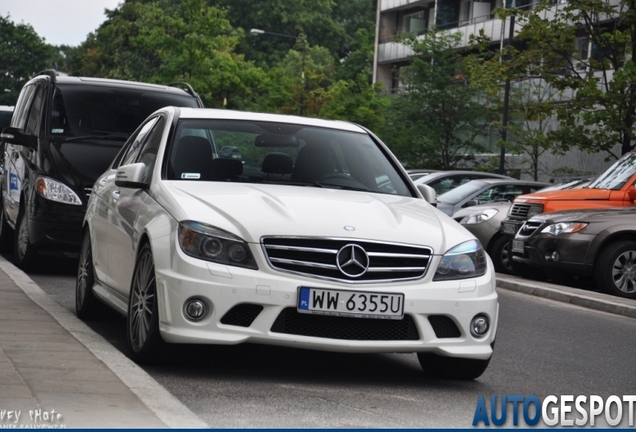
<point>479,326</point>
<point>195,309</point>
<point>553,256</point>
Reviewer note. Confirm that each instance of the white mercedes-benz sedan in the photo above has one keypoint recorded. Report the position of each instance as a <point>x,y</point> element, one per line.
<point>310,234</point>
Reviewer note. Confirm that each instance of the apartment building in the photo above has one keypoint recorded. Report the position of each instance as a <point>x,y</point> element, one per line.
<point>466,17</point>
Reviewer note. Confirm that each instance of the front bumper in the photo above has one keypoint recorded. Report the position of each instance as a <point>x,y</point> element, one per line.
<point>571,251</point>
<point>55,228</point>
<point>271,299</point>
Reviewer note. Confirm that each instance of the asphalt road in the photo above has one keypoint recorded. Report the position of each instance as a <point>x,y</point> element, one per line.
<point>543,348</point>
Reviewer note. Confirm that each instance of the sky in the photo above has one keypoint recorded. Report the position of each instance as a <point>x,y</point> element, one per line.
<point>59,22</point>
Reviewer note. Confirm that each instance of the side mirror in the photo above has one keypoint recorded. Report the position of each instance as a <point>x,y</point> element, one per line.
<point>632,194</point>
<point>131,176</point>
<point>428,193</point>
<point>17,136</point>
<point>470,203</point>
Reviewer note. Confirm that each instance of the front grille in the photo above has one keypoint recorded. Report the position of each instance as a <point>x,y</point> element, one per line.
<point>519,210</point>
<point>528,228</point>
<point>88,191</point>
<point>444,327</point>
<point>242,315</point>
<point>318,257</point>
<point>290,321</point>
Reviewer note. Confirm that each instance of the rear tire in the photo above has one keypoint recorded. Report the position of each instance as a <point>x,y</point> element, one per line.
<point>453,368</point>
<point>615,269</point>
<point>24,253</point>
<point>87,306</point>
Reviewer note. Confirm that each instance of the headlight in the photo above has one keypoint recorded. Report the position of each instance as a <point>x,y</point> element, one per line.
<point>479,217</point>
<point>56,191</point>
<point>563,228</point>
<point>212,244</point>
<point>464,261</point>
<point>535,209</point>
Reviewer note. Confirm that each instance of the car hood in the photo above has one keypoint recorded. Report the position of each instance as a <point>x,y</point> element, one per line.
<point>252,211</point>
<point>589,215</point>
<point>80,163</point>
<point>566,195</point>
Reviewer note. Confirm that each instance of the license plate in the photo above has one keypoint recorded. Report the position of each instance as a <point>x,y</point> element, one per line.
<point>517,246</point>
<point>508,228</point>
<point>356,304</point>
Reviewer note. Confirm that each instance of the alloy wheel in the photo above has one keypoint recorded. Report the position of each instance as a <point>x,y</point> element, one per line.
<point>142,301</point>
<point>624,272</point>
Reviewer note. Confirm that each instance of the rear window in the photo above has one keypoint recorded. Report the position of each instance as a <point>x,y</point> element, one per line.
<point>94,110</point>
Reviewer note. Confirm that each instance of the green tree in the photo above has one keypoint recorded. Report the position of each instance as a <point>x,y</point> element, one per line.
<point>166,40</point>
<point>436,119</point>
<point>22,54</point>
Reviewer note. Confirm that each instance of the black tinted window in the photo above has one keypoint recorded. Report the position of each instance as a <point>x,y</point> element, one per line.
<point>93,110</point>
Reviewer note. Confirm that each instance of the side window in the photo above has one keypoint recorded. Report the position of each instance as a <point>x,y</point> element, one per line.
<point>149,150</point>
<point>35,112</point>
<point>137,142</point>
<point>22,107</point>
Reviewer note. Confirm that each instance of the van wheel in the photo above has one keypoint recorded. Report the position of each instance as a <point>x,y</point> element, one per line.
<point>615,269</point>
<point>87,306</point>
<point>454,368</point>
<point>6,233</point>
<point>24,253</point>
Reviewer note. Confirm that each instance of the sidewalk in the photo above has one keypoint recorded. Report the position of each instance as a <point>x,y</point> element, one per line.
<point>54,373</point>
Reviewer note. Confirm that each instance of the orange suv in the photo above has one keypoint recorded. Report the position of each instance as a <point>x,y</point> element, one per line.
<point>613,188</point>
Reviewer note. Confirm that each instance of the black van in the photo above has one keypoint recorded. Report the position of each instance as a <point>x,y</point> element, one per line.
<point>64,133</point>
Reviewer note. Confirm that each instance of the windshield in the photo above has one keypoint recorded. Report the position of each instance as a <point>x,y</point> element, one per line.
<point>97,110</point>
<point>616,175</point>
<point>460,193</point>
<point>284,153</point>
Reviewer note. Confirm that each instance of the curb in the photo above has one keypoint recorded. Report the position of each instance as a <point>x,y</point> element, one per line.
<point>575,296</point>
<point>162,403</point>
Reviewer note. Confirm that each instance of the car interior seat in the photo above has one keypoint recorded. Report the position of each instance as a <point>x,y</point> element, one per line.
<point>314,161</point>
<point>193,159</point>
<point>277,164</point>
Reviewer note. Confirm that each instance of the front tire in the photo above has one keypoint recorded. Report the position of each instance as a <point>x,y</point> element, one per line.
<point>142,323</point>
<point>6,233</point>
<point>500,255</point>
<point>615,269</point>
<point>24,253</point>
<point>453,368</point>
<point>87,306</point>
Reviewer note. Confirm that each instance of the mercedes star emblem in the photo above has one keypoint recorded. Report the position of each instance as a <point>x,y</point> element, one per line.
<point>352,260</point>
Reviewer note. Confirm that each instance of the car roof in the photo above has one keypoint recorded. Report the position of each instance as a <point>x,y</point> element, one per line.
<point>491,181</point>
<point>221,114</point>
<point>441,174</point>
<point>108,82</point>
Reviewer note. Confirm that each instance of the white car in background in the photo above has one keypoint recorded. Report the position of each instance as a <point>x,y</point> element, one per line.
<point>293,245</point>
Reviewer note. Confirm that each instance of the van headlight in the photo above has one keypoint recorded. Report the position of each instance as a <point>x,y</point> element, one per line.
<point>213,244</point>
<point>55,191</point>
<point>466,260</point>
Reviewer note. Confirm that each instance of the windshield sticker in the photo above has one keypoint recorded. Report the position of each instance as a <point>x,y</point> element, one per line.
<point>57,131</point>
<point>190,176</point>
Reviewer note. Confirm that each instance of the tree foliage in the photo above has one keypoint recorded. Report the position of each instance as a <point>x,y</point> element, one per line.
<point>583,51</point>
<point>22,54</point>
<point>435,121</point>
